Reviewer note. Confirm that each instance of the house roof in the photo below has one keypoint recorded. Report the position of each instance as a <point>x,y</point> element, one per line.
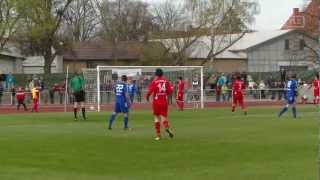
<point>231,46</point>
<point>253,39</point>
<point>126,50</point>
<point>305,19</point>
<point>12,54</point>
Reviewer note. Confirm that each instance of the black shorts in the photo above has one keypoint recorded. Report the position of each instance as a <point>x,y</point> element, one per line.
<point>79,96</point>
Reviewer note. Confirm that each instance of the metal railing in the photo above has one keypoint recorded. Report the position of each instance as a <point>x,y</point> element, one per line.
<point>192,95</point>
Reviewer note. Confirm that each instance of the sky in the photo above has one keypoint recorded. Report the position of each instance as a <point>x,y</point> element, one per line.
<point>273,13</point>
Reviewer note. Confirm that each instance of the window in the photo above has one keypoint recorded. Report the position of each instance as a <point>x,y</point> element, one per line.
<point>286,44</point>
<point>301,44</point>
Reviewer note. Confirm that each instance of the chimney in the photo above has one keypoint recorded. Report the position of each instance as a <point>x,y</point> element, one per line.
<point>296,11</point>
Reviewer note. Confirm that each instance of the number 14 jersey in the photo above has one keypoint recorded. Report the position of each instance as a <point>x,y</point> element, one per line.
<point>160,88</point>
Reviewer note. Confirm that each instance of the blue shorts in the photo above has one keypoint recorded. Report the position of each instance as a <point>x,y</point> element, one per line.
<point>291,100</point>
<point>121,107</point>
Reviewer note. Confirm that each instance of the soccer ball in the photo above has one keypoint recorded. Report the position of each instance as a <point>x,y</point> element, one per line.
<point>91,108</point>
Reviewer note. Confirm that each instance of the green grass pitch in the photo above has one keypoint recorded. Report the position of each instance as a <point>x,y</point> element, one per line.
<point>211,144</point>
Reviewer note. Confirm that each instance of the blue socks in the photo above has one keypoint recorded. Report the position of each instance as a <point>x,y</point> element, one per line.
<point>112,118</point>
<point>294,111</point>
<point>285,109</point>
<point>126,121</point>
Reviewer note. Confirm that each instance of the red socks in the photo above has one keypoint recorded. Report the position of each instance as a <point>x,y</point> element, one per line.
<point>35,105</point>
<point>157,128</point>
<point>165,124</point>
<point>180,105</point>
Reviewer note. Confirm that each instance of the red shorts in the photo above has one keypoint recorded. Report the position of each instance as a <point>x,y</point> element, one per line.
<point>160,108</point>
<point>316,92</point>
<point>237,100</point>
<point>179,96</point>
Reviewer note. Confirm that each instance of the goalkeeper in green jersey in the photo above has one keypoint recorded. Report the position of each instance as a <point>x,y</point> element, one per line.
<point>77,87</point>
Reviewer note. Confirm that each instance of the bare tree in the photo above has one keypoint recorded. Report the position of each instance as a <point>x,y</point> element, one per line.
<point>219,19</point>
<point>8,21</point>
<point>123,19</point>
<point>173,23</point>
<point>42,21</point>
<point>81,20</point>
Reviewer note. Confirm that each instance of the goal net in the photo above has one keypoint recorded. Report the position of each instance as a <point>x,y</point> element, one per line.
<point>100,81</point>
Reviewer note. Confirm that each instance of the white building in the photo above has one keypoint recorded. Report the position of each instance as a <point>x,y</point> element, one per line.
<point>265,51</point>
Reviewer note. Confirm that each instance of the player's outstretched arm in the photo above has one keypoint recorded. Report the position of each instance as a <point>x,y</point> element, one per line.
<point>150,90</point>
<point>170,88</point>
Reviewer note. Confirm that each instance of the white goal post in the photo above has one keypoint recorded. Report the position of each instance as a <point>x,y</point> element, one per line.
<point>96,80</point>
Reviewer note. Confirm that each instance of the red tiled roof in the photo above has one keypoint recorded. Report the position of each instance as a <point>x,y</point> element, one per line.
<point>306,20</point>
<point>127,50</point>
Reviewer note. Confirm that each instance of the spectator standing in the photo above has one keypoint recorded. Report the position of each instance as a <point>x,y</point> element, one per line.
<point>108,90</point>
<point>224,92</point>
<point>62,91</point>
<point>55,91</point>
<point>195,90</point>
<point>221,81</point>
<point>20,96</point>
<point>1,92</point>
<point>244,78</point>
<point>262,88</point>
<point>30,86</point>
<point>280,87</point>
<point>13,95</point>
<point>283,75</point>
<point>187,89</point>
<point>10,80</point>
<point>132,89</point>
<point>212,82</point>
<point>3,80</point>
<point>44,92</point>
<point>271,85</point>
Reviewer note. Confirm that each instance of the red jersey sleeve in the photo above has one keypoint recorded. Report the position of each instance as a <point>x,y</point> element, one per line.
<point>233,85</point>
<point>180,86</point>
<point>169,88</point>
<point>243,86</point>
<point>151,89</point>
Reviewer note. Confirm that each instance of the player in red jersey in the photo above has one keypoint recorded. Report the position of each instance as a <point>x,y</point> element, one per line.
<point>237,94</point>
<point>180,91</point>
<point>160,88</point>
<point>316,89</point>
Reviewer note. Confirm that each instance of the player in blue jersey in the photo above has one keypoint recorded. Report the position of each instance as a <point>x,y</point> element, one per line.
<point>122,102</point>
<point>291,88</point>
<point>132,89</point>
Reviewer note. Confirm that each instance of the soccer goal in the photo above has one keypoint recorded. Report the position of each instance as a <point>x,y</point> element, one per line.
<point>99,83</point>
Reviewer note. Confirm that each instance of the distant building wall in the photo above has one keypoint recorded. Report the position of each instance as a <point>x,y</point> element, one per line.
<point>222,65</point>
<point>35,64</point>
<point>273,55</point>
<point>10,64</point>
